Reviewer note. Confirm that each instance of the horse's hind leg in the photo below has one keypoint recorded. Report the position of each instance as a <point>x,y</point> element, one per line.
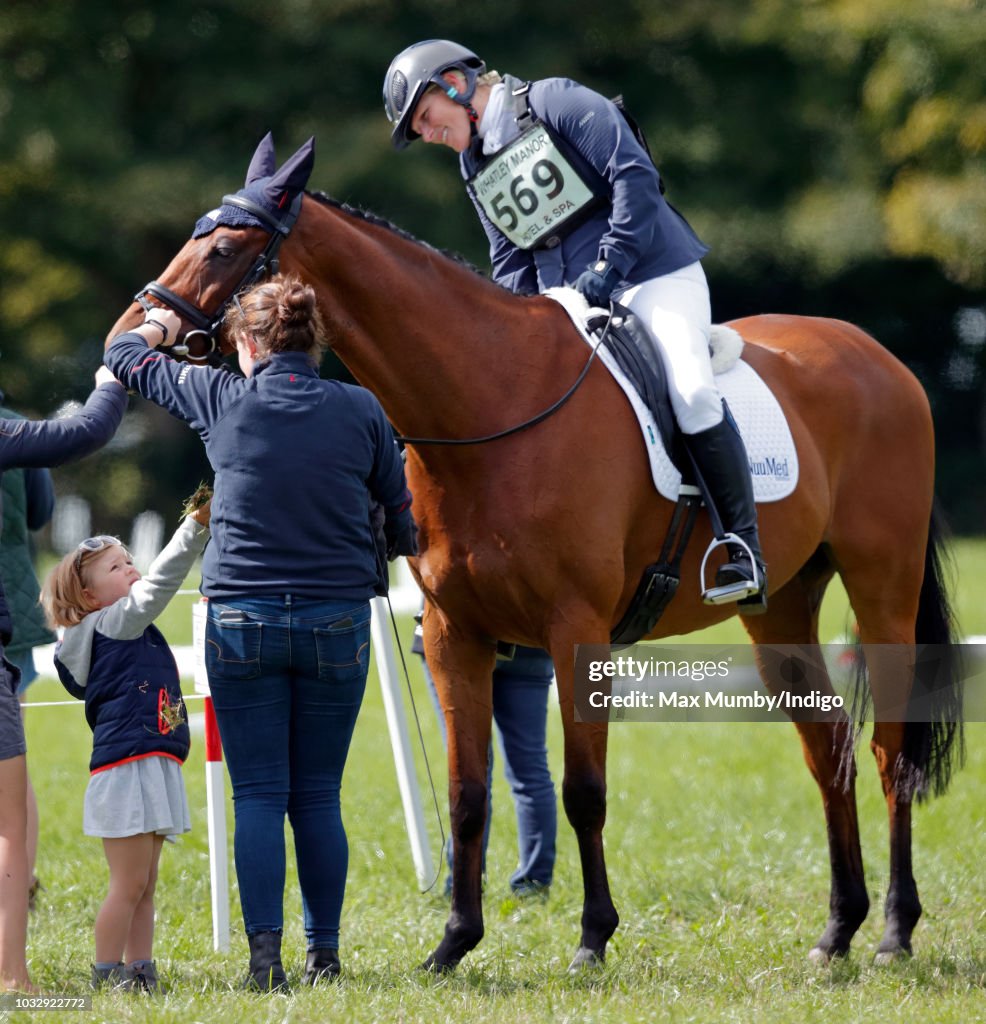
<point>584,797</point>
<point>884,596</point>
<point>792,618</point>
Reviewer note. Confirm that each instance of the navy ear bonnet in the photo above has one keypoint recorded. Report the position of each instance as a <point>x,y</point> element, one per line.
<point>273,190</point>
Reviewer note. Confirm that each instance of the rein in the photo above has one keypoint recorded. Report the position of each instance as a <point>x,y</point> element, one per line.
<point>266,263</point>
<point>527,424</point>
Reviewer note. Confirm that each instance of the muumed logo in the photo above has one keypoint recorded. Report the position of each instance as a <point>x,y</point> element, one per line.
<point>771,466</point>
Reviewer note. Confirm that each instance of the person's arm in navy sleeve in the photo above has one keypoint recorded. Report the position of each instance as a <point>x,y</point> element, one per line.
<point>40,497</point>
<point>512,267</point>
<point>52,442</point>
<point>196,394</point>
<point>388,486</point>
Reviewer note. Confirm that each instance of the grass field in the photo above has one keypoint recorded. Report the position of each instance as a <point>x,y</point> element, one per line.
<point>716,849</point>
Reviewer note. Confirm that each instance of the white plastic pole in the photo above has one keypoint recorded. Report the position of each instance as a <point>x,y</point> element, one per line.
<point>407,781</point>
<point>215,790</point>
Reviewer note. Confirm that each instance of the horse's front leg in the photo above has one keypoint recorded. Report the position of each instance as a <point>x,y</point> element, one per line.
<point>584,796</point>
<point>463,671</point>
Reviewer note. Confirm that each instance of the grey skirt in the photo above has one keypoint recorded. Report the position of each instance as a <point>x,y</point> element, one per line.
<point>146,795</point>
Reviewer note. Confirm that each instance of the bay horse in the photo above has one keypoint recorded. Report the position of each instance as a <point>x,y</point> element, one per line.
<point>541,538</point>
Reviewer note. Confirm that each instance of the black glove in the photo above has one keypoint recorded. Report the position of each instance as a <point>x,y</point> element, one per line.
<point>402,537</point>
<point>597,283</point>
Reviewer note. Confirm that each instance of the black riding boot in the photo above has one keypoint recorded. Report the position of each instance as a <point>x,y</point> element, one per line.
<point>720,456</point>
<point>321,965</point>
<point>266,969</point>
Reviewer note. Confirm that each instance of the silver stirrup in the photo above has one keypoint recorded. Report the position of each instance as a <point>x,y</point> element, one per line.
<point>731,591</point>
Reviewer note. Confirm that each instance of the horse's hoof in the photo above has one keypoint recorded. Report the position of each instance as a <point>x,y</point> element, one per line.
<point>586,959</point>
<point>819,957</point>
<point>886,957</point>
<point>434,966</point>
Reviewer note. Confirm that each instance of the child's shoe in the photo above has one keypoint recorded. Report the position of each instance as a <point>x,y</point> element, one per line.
<point>109,976</point>
<point>142,976</point>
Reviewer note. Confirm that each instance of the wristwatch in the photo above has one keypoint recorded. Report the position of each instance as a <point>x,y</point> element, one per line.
<point>600,267</point>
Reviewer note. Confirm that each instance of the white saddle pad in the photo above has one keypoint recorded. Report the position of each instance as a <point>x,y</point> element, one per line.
<point>761,421</point>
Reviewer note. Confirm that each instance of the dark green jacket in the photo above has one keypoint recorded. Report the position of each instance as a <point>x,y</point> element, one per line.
<point>28,501</point>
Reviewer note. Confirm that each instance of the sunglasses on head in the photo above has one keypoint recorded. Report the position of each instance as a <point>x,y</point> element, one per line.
<point>93,544</point>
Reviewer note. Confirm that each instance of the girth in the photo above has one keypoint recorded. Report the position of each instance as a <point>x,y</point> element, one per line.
<point>633,351</point>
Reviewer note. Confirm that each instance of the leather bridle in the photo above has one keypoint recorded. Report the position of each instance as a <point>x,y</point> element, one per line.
<point>208,325</point>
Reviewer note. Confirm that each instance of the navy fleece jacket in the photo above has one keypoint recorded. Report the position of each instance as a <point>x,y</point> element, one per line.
<point>296,458</point>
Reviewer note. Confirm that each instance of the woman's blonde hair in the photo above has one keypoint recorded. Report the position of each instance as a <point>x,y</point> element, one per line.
<point>63,594</point>
<point>281,315</point>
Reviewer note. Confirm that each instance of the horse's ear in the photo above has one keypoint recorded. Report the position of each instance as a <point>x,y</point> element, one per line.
<point>264,161</point>
<point>292,176</point>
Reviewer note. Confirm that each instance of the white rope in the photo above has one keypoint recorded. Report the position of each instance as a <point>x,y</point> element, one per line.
<point>81,703</point>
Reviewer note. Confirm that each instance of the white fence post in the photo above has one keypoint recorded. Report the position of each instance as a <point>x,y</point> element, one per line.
<point>215,790</point>
<point>407,781</point>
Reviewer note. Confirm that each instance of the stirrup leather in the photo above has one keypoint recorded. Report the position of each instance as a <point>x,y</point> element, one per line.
<point>731,591</point>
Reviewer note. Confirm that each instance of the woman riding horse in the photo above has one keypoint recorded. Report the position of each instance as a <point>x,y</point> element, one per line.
<point>611,235</point>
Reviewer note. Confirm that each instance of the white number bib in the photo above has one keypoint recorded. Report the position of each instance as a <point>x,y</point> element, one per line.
<point>529,189</point>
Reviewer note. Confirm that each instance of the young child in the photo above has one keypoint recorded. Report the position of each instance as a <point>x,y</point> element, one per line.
<point>115,658</point>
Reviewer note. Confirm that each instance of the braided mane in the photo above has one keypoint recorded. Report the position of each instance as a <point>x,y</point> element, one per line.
<point>378,221</point>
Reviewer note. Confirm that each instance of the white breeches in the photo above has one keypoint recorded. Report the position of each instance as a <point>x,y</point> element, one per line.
<point>676,311</point>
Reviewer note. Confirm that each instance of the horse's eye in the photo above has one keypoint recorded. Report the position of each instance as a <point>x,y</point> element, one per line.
<point>223,251</point>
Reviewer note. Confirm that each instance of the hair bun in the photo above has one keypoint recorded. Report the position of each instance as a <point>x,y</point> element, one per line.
<point>297,304</point>
<point>282,315</point>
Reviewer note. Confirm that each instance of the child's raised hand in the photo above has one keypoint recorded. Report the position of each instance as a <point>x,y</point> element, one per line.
<point>203,514</point>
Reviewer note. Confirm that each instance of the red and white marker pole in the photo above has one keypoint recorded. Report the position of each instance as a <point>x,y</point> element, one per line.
<point>215,794</point>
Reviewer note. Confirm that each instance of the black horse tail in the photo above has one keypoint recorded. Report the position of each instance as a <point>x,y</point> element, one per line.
<point>933,739</point>
<point>934,743</point>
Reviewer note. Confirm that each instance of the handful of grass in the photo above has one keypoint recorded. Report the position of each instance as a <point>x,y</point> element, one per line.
<point>202,494</point>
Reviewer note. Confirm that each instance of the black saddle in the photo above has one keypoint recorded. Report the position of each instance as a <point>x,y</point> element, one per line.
<point>632,349</point>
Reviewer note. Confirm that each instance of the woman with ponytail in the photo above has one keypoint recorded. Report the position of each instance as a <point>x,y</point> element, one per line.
<point>289,572</point>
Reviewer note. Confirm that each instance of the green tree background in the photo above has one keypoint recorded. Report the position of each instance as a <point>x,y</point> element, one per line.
<point>830,152</point>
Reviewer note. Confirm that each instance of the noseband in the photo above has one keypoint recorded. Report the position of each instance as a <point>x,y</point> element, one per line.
<point>266,263</point>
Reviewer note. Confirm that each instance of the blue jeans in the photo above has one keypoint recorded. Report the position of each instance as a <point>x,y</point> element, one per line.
<point>520,712</point>
<point>287,677</point>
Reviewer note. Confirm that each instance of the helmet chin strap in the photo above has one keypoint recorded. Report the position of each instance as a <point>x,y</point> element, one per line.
<point>456,96</point>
